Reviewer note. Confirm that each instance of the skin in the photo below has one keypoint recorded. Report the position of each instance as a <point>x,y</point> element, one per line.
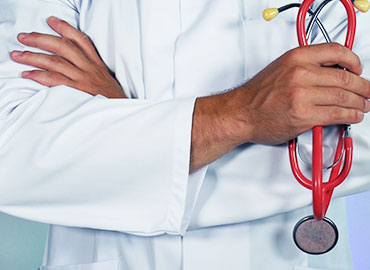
<point>296,92</point>
<point>74,61</point>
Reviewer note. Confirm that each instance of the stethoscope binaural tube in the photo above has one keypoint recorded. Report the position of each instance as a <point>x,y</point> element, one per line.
<point>322,192</point>
<point>301,24</point>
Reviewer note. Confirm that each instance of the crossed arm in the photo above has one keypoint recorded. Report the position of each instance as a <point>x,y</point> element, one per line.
<point>294,93</point>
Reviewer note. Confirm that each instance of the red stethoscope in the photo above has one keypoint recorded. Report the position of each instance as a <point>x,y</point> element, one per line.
<point>317,234</point>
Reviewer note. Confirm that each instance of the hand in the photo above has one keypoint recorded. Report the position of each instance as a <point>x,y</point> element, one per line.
<point>300,90</point>
<point>74,61</point>
<point>293,94</point>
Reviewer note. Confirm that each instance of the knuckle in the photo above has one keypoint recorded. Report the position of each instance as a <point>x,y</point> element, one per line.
<point>294,55</point>
<point>54,60</point>
<point>298,95</point>
<point>30,74</point>
<point>53,77</point>
<point>339,96</point>
<point>335,114</point>
<point>357,61</point>
<point>296,73</point>
<point>298,111</point>
<point>336,48</point>
<point>33,35</point>
<point>85,38</point>
<point>354,116</point>
<point>63,44</point>
<point>65,41</point>
<point>34,38</point>
<point>62,24</point>
<point>344,77</point>
<point>297,102</point>
<point>26,54</point>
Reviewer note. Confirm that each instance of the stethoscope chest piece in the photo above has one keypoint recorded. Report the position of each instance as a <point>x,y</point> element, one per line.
<point>315,236</point>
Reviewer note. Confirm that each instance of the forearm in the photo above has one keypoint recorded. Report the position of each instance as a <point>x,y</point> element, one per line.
<point>216,128</point>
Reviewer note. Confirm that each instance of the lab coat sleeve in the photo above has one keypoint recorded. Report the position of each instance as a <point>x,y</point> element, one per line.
<point>335,19</point>
<point>73,159</point>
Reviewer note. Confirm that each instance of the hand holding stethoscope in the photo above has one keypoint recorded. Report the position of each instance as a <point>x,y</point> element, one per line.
<point>317,234</point>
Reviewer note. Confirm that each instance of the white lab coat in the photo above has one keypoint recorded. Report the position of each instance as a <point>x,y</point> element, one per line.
<point>112,174</point>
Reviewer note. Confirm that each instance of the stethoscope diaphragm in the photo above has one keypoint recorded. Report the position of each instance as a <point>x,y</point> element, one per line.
<point>315,236</point>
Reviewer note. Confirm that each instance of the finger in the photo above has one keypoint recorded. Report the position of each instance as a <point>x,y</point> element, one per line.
<point>60,46</point>
<point>333,115</point>
<point>339,78</point>
<point>324,96</point>
<point>45,61</point>
<point>48,78</point>
<point>332,54</point>
<point>79,38</point>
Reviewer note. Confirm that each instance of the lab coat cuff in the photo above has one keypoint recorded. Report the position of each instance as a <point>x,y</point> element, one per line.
<point>186,187</point>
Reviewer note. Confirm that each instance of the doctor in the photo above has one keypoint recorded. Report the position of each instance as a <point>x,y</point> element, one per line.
<point>112,173</point>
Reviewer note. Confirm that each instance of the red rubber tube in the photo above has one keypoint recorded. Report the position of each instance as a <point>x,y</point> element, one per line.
<point>322,192</point>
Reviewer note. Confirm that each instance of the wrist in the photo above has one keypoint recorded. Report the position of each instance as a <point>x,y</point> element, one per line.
<point>237,116</point>
<point>218,127</point>
<point>225,117</point>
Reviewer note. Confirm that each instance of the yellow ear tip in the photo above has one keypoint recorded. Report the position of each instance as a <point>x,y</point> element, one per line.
<point>270,13</point>
<point>362,5</point>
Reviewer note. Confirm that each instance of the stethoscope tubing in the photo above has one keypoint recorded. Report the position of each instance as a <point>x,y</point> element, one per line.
<point>301,24</point>
<point>322,192</point>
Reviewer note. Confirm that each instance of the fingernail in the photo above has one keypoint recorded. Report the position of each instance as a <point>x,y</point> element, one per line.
<point>367,105</point>
<point>360,115</point>
<point>23,35</point>
<point>16,53</point>
<point>26,73</point>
